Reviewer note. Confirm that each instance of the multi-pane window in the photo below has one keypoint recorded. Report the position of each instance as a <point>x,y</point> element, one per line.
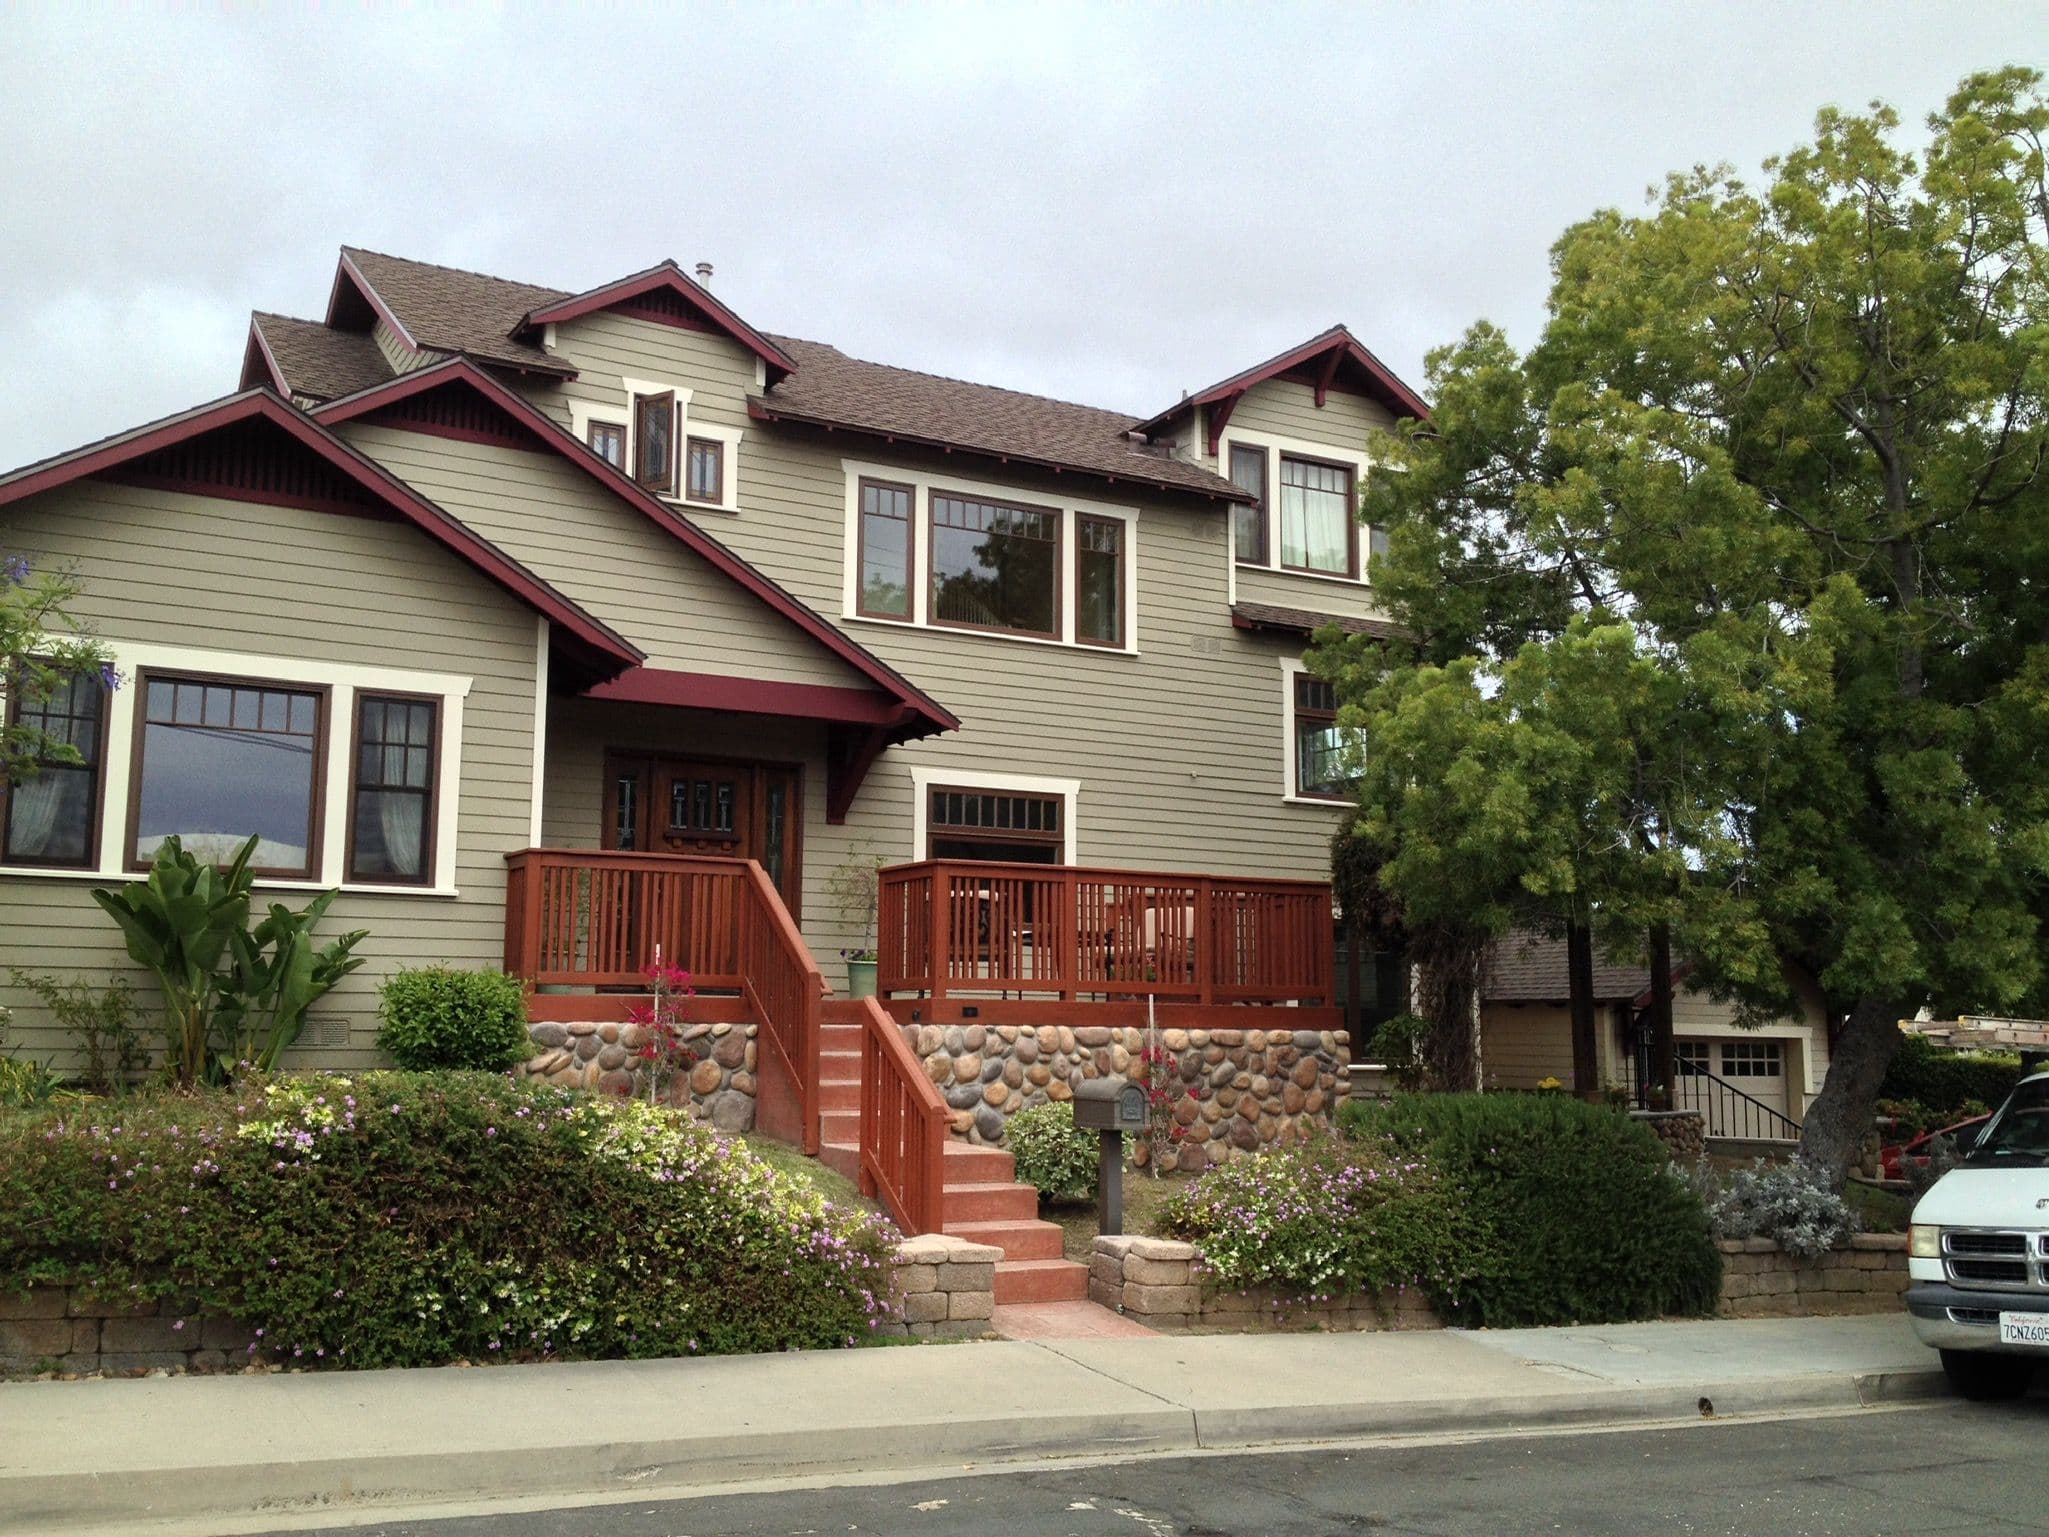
<point>1316,516</point>
<point>1099,581</point>
<point>1326,754</point>
<point>702,807</point>
<point>654,441</point>
<point>1248,473</point>
<point>995,567</point>
<point>1752,1059</point>
<point>220,760</point>
<point>964,823</point>
<point>608,442</point>
<point>391,828</point>
<point>885,556</point>
<point>50,814</point>
<point>705,470</point>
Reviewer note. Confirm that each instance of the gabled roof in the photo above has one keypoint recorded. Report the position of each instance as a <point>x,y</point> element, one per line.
<point>1326,359</point>
<point>1303,621</point>
<point>442,309</point>
<point>830,389</point>
<point>925,715</point>
<point>667,279</point>
<point>1527,967</point>
<point>600,649</point>
<point>307,360</point>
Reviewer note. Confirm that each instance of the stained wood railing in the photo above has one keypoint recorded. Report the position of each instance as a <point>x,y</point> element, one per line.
<point>578,918</point>
<point>904,1126</point>
<point>965,926</point>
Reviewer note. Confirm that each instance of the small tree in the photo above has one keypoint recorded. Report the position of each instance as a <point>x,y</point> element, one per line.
<point>853,887</point>
<point>41,647</point>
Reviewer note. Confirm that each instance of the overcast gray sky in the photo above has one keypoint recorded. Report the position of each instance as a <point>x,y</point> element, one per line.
<point>1102,203</point>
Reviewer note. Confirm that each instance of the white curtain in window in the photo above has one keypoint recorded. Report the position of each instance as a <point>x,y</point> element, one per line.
<point>1315,529</point>
<point>403,820</point>
<point>32,818</point>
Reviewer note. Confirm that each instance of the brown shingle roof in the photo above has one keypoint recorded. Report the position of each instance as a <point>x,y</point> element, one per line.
<point>833,389</point>
<point>451,310</point>
<point>1529,968</point>
<point>318,361</point>
<point>1303,621</point>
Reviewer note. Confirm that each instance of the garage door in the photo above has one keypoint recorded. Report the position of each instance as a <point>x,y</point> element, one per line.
<point>1739,1086</point>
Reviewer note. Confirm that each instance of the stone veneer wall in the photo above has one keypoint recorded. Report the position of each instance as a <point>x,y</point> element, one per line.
<point>1760,1280</point>
<point>942,1286</point>
<point>1157,1282</point>
<point>1684,1133</point>
<point>1253,1088</point>
<point>600,1056</point>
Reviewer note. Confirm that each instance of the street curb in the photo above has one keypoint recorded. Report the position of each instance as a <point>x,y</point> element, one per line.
<point>39,1503</point>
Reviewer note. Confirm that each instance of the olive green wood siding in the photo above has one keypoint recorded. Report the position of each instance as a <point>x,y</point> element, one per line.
<point>609,347</point>
<point>398,356</point>
<point>1289,409</point>
<point>173,569</point>
<point>607,555</point>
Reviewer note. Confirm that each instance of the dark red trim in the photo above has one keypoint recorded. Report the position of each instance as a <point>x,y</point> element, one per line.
<point>1382,384</point>
<point>930,715</point>
<point>609,651</point>
<point>671,277</point>
<point>751,696</point>
<point>364,291</point>
<point>849,753</point>
<point>259,346</point>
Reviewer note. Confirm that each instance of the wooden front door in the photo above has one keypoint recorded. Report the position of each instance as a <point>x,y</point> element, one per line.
<point>667,805</point>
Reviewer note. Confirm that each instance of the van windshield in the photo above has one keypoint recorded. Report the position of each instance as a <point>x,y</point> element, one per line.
<point>2018,1136</point>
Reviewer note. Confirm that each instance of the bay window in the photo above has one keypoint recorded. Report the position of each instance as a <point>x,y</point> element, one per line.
<point>1317,517</point>
<point>391,815</point>
<point>885,551</point>
<point>51,816</point>
<point>219,759</point>
<point>995,566</point>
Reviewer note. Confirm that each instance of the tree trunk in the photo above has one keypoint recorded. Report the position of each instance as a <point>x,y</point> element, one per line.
<point>1586,1044</point>
<point>1661,1085</point>
<point>1449,961</point>
<point>1839,1119</point>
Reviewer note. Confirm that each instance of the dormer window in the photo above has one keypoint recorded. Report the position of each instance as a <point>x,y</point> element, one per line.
<point>608,442</point>
<point>705,472</point>
<point>1317,517</point>
<point>1248,473</point>
<point>654,441</point>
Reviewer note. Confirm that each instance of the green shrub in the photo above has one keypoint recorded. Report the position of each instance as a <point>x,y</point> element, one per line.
<point>1946,1081</point>
<point>1574,1210</point>
<point>1053,1153</point>
<point>438,1017</point>
<point>101,1020</point>
<point>411,1219</point>
<point>1325,1219</point>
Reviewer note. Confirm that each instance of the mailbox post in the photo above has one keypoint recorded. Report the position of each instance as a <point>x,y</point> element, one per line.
<point>1111,1107</point>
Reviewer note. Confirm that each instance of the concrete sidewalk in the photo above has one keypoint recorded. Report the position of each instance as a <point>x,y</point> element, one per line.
<point>75,1456</point>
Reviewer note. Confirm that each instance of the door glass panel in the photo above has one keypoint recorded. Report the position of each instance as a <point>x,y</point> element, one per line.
<point>626,812</point>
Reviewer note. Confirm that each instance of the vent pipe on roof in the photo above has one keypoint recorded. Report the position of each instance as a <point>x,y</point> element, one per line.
<point>704,274</point>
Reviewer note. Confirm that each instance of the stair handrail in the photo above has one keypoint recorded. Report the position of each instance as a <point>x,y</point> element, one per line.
<point>787,991</point>
<point>904,1126</point>
<point>1756,1107</point>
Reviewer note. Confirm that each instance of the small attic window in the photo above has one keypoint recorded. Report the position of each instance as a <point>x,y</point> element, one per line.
<point>654,441</point>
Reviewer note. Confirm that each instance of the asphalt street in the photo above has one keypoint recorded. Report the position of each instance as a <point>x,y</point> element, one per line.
<point>1940,1467</point>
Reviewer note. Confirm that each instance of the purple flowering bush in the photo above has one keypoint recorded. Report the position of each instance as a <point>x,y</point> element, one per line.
<point>402,1219</point>
<point>1324,1219</point>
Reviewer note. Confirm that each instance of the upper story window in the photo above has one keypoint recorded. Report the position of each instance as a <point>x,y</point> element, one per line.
<point>884,552</point>
<point>1248,473</point>
<point>1099,581</point>
<point>654,441</point>
<point>50,817</point>
<point>1326,754</point>
<point>995,567</point>
<point>219,759</point>
<point>705,470</point>
<point>391,818</point>
<point>608,442</point>
<point>1317,521</point>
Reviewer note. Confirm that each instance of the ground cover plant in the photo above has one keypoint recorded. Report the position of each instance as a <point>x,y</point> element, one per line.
<point>396,1219</point>
<point>1570,1212</point>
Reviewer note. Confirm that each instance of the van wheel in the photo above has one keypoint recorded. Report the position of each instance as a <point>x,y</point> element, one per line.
<point>1986,1377</point>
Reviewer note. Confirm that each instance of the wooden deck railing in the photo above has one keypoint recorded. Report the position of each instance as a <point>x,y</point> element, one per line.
<point>963,926</point>
<point>903,1126</point>
<point>581,918</point>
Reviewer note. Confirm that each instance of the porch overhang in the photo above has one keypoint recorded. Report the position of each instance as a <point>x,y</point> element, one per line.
<point>859,723</point>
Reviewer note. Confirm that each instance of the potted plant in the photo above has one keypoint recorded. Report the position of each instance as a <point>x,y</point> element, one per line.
<point>852,888</point>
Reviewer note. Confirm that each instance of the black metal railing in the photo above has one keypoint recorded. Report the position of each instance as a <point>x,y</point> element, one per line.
<point>1727,1112</point>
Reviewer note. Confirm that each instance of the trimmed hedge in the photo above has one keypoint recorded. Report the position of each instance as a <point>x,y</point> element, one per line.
<point>439,1017</point>
<point>1053,1154</point>
<point>395,1219</point>
<point>1572,1212</point>
<point>1949,1081</point>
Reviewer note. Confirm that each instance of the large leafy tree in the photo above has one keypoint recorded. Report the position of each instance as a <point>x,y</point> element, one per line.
<point>1760,531</point>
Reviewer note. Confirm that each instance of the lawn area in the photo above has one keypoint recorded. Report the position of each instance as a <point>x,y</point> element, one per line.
<point>1143,1197</point>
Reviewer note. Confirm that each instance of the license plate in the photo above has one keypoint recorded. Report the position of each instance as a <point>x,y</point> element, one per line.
<point>2024,1329</point>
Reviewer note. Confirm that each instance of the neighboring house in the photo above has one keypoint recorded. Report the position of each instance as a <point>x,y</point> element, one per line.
<point>470,567</point>
<point>1752,1083</point>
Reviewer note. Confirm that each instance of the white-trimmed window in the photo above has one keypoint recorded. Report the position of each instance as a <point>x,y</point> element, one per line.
<point>967,813</point>
<point>1306,521</point>
<point>954,554</point>
<point>345,775</point>
<point>1320,758</point>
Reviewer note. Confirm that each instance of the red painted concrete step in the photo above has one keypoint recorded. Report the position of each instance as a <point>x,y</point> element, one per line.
<point>1017,1240</point>
<point>967,1164</point>
<point>1040,1280</point>
<point>990,1203</point>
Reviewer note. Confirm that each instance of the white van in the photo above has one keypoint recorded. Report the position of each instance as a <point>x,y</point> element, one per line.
<point>1978,1253</point>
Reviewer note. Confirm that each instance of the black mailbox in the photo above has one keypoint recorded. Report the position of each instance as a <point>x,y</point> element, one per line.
<point>1109,1104</point>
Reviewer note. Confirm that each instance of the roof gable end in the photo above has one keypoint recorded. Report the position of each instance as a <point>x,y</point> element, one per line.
<point>665,295</point>
<point>1331,359</point>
